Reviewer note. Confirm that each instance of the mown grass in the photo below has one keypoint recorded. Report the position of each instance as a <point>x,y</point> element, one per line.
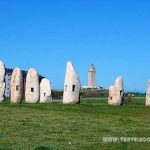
<point>77,127</point>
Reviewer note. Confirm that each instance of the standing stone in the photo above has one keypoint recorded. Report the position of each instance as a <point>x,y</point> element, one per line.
<point>119,91</point>
<point>16,86</point>
<point>148,94</point>
<point>116,92</point>
<point>45,91</point>
<point>72,86</point>
<point>2,83</point>
<point>32,87</point>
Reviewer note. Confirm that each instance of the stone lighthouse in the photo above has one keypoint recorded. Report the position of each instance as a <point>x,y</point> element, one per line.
<point>92,77</point>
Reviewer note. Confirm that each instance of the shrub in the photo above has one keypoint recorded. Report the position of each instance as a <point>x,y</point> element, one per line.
<point>128,99</point>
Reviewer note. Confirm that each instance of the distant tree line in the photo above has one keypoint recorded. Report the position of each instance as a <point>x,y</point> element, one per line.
<point>94,93</point>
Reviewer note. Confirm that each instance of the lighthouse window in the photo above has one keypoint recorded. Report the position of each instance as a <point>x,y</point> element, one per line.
<point>17,87</point>
<point>44,94</point>
<point>73,88</point>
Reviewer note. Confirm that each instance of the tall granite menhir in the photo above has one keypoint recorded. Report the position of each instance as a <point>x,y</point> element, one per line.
<point>72,86</point>
<point>32,87</point>
<point>116,92</point>
<point>2,83</point>
<point>16,86</point>
<point>45,91</point>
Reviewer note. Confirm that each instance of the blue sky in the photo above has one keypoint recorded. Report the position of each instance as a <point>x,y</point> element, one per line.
<point>45,34</point>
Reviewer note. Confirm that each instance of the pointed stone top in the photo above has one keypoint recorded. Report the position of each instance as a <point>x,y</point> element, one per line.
<point>31,69</point>
<point>119,83</point>
<point>69,64</point>
<point>2,64</point>
<point>17,69</point>
<point>71,74</point>
<point>71,67</point>
<point>45,80</point>
<point>119,79</point>
<point>92,68</point>
<point>33,72</point>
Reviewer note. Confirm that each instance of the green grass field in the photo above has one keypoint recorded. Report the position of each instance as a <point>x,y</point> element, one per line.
<point>77,127</point>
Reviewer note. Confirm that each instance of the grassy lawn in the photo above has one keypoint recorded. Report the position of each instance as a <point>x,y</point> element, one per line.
<point>77,127</point>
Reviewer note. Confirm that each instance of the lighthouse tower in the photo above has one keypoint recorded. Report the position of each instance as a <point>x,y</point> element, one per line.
<point>92,77</point>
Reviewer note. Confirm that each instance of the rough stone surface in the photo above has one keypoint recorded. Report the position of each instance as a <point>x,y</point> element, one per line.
<point>71,86</point>
<point>2,83</point>
<point>16,86</point>
<point>148,94</point>
<point>32,87</point>
<point>45,91</point>
<point>116,92</point>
